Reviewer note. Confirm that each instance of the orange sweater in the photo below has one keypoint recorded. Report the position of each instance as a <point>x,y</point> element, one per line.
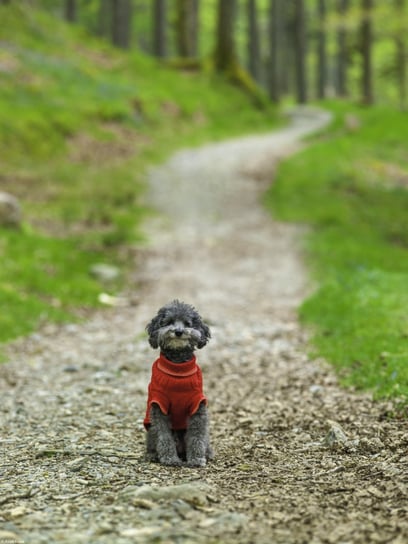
<point>178,390</point>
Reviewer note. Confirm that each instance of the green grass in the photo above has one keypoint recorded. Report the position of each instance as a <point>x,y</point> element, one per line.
<point>80,123</point>
<point>351,188</point>
<point>41,279</point>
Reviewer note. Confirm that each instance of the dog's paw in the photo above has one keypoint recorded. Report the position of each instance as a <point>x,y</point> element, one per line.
<point>197,462</point>
<point>171,461</point>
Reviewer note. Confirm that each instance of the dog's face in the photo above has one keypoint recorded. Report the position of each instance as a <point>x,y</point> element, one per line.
<point>178,327</point>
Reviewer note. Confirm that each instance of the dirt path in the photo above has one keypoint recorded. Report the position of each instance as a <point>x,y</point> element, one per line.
<point>73,398</point>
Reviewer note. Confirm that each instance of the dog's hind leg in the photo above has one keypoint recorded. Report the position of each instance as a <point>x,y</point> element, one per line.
<point>165,443</point>
<point>197,438</point>
<point>151,441</point>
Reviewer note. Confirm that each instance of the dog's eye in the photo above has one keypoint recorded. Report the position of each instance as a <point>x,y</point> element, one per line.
<point>188,323</point>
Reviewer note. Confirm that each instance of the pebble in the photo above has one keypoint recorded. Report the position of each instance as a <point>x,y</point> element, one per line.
<point>335,435</point>
<point>10,210</point>
<point>195,494</point>
<point>7,537</point>
<point>104,272</point>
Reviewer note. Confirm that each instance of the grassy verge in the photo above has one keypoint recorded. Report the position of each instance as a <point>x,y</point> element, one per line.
<point>351,187</point>
<point>79,124</point>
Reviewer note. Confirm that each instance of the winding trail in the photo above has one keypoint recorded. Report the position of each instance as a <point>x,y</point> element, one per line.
<point>299,460</point>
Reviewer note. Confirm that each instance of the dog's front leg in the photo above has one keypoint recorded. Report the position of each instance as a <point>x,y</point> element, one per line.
<point>165,443</point>
<point>197,438</point>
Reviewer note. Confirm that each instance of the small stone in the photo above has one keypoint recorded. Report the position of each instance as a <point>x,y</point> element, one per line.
<point>316,389</point>
<point>138,532</point>
<point>76,464</point>
<point>228,522</point>
<point>335,435</point>
<point>71,368</point>
<point>8,536</point>
<point>191,493</point>
<point>371,445</point>
<point>10,210</point>
<point>17,512</point>
<point>104,272</point>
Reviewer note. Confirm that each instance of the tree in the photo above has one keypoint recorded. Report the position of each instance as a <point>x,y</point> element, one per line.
<point>104,27</point>
<point>276,29</point>
<point>300,43</point>
<point>342,49</point>
<point>254,50</point>
<point>187,27</point>
<point>71,10</point>
<point>321,49</point>
<point>401,52</point>
<point>366,53</point>
<point>121,22</point>
<point>225,51</point>
<point>160,28</point>
<point>279,50</point>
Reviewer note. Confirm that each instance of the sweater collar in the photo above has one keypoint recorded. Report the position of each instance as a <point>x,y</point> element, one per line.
<point>177,369</point>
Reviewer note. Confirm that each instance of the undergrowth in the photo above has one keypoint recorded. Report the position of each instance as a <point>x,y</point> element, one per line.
<point>80,122</point>
<point>351,187</point>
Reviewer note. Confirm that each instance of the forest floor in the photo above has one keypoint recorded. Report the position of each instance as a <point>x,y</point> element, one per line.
<point>298,458</point>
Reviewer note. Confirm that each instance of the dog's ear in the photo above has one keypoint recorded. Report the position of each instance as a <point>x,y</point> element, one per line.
<point>205,335</point>
<point>152,330</point>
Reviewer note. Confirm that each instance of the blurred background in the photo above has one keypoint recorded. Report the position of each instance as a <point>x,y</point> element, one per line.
<point>94,92</point>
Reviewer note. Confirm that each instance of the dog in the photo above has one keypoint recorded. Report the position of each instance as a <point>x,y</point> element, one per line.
<point>177,420</point>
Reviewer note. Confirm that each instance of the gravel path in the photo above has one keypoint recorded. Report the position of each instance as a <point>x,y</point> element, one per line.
<point>298,459</point>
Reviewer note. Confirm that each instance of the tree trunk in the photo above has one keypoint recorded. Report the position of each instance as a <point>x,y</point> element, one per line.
<point>321,50</point>
<point>225,53</point>
<point>401,55</point>
<point>286,56</point>
<point>195,27</point>
<point>342,50</point>
<point>187,27</point>
<point>254,50</point>
<point>160,28</point>
<point>277,28</point>
<point>105,18</point>
<point>366,46</point>
<point>71,10</point>
<point>121,23</point>
<point>300,51</point>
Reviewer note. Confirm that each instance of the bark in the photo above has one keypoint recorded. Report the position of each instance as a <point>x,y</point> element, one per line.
<point>401,56</point>
<point>71,10</point>
<point>187,27</point>
<point>160,28</point>
<point>225,52</point>
<point>300,43</point>
<point>277,25</point>
<point>254,51</point>
<point>121,23</point>
<point>321,50</point>
<point>366,52</point>
<point>342,49</point>
<point>105,18</point>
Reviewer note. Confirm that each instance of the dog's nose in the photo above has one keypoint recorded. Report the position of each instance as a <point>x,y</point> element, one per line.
<point>178,332</point>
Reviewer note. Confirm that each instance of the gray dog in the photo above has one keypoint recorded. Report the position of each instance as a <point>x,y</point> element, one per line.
<point>176,419</point>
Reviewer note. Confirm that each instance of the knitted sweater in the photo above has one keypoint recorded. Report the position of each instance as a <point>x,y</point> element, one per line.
<point>178,390</point>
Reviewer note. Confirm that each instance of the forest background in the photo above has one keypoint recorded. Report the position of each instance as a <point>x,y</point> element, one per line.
<point>93,92</point>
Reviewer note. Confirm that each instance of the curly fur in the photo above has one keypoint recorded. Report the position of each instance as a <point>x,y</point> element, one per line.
<point>178,330</point>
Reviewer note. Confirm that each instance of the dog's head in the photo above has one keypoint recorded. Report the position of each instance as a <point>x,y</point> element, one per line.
<point>178,329</point>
